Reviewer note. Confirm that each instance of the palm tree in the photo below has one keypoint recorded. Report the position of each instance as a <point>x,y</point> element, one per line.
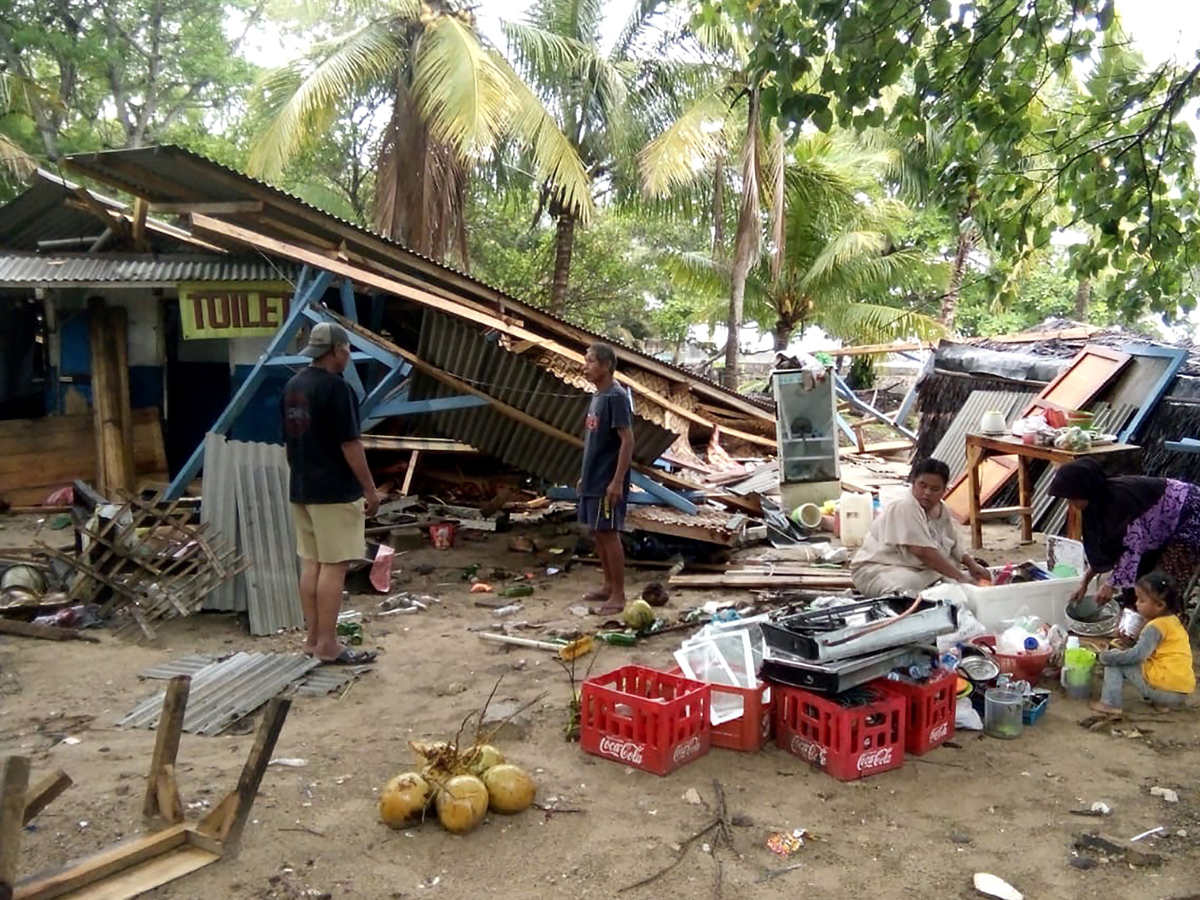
<point>834,260</point>
<point>725,114</point>
<point>453,98</point>
<point>603,100</point>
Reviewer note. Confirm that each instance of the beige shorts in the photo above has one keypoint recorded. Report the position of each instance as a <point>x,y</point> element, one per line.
<point>330,532</point>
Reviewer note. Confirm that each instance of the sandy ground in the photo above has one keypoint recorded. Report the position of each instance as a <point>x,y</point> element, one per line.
<point>988,805</point>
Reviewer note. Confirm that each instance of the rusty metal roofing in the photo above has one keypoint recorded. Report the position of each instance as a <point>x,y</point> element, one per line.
<point>225,691</point>
<point>472,356</point>
<point>58,269</point>
<point>50,210</point>
<point>172,174</point>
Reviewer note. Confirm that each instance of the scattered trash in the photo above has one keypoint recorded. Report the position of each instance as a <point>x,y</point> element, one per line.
<point>1110,850</point>
<point>655,594</point>
<point>481,587</point>
<point>381,568</point>
<point>71,741</point>
<point>516,590</point>
<point>508,610</point>
<point>1146,834</point>
<point>292,762</point>
<point>692,796</point>
<point>1083,862</point>
<point>1097,809</point>
<point>785,843</point>
<point>991,886</point>
<point>1168,795</point>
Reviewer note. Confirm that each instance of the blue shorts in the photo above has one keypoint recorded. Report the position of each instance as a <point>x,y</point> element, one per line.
<point>597,515</point>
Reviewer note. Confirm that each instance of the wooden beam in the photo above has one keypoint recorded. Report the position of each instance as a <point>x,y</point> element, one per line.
<point>13,783</point>
<point>451,307</point>
<point>44,632</point>
<point>408,473</point>
<point>241,799</point>
<point>408,444</point>
<point>101,865</point>
<point>166,748</point>
<point>44,793</point>
<point>868,349</point>
<point>110,405</point>
<point>216,208</point>
<point>138,230</point>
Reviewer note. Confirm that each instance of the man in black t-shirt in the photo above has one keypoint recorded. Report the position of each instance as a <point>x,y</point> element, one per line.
<point>604,480</point>
<point>329,483</point>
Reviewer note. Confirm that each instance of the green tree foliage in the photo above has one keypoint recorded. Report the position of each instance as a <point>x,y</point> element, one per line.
<point>625,288</point>
<point>838,261</point>
<point>119,73</point>
<point>1119,159</point>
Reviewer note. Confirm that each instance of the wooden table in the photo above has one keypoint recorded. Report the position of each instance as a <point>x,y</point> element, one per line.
<point>981,446</point>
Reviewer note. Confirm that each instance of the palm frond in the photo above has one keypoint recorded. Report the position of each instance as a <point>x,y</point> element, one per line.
<point>299,100</point>
<point>641,14</point>
<point>875,323</point>
<point>459,88</point>
<point>546,55</point>
<point>15,160</point>
<point>677,156</point>
<point>555,161</point>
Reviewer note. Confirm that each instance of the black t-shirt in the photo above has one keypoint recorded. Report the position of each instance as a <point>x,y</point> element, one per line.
<point>610,409</point>
<point>320,413</point>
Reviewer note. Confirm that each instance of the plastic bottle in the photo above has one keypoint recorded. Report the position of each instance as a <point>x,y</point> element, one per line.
<point>854,513</point>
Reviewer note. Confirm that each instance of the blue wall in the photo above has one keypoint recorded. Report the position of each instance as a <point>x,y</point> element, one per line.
<point>260,419</point>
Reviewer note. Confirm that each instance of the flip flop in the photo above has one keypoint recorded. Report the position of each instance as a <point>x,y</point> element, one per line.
<point>595,597</point>
<point>351,657</point>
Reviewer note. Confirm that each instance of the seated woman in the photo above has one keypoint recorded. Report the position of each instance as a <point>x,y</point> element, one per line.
<point>913,543</point>
<point>1132,524</point>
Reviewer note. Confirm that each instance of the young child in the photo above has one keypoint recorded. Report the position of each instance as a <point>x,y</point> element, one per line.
<point>1159,665</point>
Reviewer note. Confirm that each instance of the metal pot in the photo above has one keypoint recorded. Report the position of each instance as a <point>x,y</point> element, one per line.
<point>1130,624</point>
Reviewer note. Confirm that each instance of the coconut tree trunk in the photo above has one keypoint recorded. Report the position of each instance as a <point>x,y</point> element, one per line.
<point>718,209</point>
<point>966,243</point>
<point>783,333</point>
<point>746,242</point>
<point>564,244</point>
<point>1083,296</point>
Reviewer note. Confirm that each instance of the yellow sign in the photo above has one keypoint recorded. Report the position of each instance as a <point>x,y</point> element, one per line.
<point>234,309</point>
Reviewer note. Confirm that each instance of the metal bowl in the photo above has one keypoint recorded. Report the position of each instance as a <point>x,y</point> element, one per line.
<point>978,669</point>
<point>1101,624</point>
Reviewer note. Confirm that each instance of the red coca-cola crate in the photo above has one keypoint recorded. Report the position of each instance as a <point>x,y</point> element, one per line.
<point>750,731</point>
<point>644,718</point>
<point>847,742</point>
<point>931,706</point>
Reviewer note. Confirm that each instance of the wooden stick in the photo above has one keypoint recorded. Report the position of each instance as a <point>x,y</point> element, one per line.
<point>43,794</point>
<point>12,813</point>
<point>166,748</point>
<point>408,473</point>
<point>44,632</point>
<point>252,772</point>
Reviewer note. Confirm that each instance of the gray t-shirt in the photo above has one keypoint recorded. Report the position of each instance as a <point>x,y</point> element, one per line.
<point>610,409</point>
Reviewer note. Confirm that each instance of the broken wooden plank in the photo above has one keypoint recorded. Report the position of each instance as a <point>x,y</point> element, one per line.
<point>44,632</point>
<point>13,782</point>
<point>162,797</point>
<point>44,793</point>
<point>99,866</point>
<point>832,581</point>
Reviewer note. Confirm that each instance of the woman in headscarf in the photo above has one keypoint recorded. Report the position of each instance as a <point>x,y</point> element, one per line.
<point>914,544</point>
<point>1132,524</point>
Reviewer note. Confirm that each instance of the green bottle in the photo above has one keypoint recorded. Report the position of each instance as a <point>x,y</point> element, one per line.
<point>517,590</point>
<point>617,638</point>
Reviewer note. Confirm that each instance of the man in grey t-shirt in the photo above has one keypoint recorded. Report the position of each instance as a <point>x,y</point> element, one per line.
<point>604,481</point>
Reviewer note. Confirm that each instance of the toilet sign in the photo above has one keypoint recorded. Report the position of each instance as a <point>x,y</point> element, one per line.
<point>233,309</point>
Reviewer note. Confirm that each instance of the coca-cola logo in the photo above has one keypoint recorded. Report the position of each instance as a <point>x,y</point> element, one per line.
<point>874,759</point>
<point>625,751</point>
<point>808,751</point>
<point>766,725</point>
<point>688,748</point>
<point>937,732</point>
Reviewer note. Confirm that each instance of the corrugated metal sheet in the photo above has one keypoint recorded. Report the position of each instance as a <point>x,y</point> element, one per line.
<point>764,480</point>
<point>41,269</point>
<point>218,511</point>
<point>267,535</point>
<point>187,665</point>
<point>325,679</point>
<point>171,174</point>
<point>952,448</point>
<point>1050,513</point>
<point>246,496</point>
<point>470,356</point>
<point>225,691</point>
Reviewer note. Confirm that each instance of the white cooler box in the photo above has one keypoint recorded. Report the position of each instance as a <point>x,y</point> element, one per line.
<point>996,607</point>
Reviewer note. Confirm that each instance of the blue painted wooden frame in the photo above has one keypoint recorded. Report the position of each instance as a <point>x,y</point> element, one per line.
<point>1178,357</point>
<point>854,400</point>
<point>309,288</point>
